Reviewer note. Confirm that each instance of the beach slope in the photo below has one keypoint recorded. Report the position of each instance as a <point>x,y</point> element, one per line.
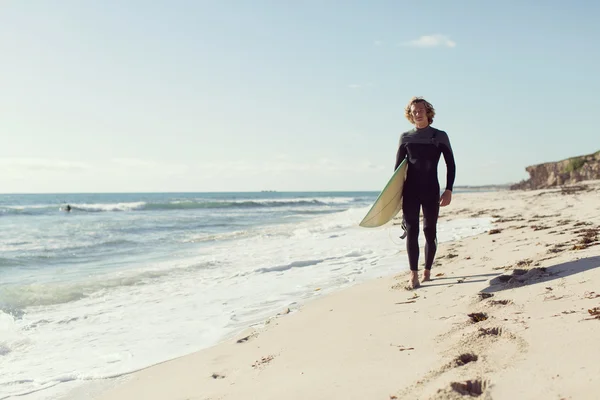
<point>513,313</point>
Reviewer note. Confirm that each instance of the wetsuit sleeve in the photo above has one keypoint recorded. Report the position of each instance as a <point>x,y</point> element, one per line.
<point>450,165</point>
<point>400,154</point>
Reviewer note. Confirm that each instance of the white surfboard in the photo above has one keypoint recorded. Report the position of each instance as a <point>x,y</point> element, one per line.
<point>389,201</point>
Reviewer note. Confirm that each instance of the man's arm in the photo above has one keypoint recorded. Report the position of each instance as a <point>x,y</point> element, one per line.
<point>450,164</point>
<point>400,154</point>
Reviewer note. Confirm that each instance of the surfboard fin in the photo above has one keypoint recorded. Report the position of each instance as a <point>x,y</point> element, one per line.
<point>404,229</point>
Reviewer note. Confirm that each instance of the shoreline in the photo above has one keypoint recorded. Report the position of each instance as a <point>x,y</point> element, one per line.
<point>346,256</point>
<point>230,373</point>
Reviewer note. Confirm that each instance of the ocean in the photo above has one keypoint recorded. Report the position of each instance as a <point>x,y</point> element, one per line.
<point>125,281</point>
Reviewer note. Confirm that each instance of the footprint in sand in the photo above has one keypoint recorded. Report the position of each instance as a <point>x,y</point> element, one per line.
<point>522,276</point>
<point>557,248</point>
<point>263,362</point>
<point>474,344</point>
<point>591,295</point>
<point>483,295</point>
<point>464,359</point>
<point>493,331</point>
<point>402,348</point>
<point>247,337</point>
<point>474,388</point>
<point>594,312</point>
<point>477,317</point>
<point>499,302</point>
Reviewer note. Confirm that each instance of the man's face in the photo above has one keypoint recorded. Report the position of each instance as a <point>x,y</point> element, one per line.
<point>419,113</point>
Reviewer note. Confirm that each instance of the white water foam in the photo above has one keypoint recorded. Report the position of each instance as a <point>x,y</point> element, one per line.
<point>184,306</point>
<point>138,205</point>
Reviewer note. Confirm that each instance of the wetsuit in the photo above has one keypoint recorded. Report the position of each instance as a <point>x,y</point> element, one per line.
<point>423,148</point>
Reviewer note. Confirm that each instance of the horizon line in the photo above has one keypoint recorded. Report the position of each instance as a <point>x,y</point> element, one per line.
<point>244,191</point>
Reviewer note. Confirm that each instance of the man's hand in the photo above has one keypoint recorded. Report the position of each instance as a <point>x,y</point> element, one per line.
<point>446,198</point>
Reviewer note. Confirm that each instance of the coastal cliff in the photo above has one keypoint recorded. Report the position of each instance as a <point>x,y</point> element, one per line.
<point>564,172</point>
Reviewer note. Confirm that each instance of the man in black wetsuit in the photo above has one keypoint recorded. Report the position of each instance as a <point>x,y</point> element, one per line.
<point>423,146</point>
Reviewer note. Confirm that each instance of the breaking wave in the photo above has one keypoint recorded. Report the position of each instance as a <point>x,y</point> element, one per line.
<point>177,205</point>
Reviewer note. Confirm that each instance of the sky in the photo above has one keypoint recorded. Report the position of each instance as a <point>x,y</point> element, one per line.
<point>200,96</point>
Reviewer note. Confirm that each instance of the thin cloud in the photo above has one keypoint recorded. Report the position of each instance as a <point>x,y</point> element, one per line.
<point>432,41</point>
<point>282,166</point>
<point>21,166</point>
<point>134,163</point>
<point>138,165</point>
<point>282,156</point>
<point>354,86</point>
<point>377,43</point>
<point>370,166</point>
<point>41,164</point>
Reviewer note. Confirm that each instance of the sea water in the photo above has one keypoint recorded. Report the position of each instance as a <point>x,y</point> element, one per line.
<point>125,281</point>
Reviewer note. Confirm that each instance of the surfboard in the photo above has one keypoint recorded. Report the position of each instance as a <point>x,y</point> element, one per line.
<point>389,201</point>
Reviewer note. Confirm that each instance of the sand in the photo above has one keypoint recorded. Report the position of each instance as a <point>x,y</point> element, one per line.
<point>509,315</point>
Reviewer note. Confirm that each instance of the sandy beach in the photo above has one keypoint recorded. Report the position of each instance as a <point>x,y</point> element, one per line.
<point>513,313</point>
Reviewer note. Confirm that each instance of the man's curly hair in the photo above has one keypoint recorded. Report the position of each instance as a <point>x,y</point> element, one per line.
<point>428,107</point>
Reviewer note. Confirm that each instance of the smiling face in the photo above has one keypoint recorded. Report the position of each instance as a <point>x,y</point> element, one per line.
<point>419,114</point>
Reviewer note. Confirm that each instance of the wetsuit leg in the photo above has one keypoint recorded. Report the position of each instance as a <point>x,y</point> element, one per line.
<point>431,211</point>
<point>410,209</point>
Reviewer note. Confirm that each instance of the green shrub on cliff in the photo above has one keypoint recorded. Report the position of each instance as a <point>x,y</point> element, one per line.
<point>574,164</point>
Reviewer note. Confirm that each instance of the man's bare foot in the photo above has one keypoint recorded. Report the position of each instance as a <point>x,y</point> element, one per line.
<point>426,275</point>
<point>414,281</point>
